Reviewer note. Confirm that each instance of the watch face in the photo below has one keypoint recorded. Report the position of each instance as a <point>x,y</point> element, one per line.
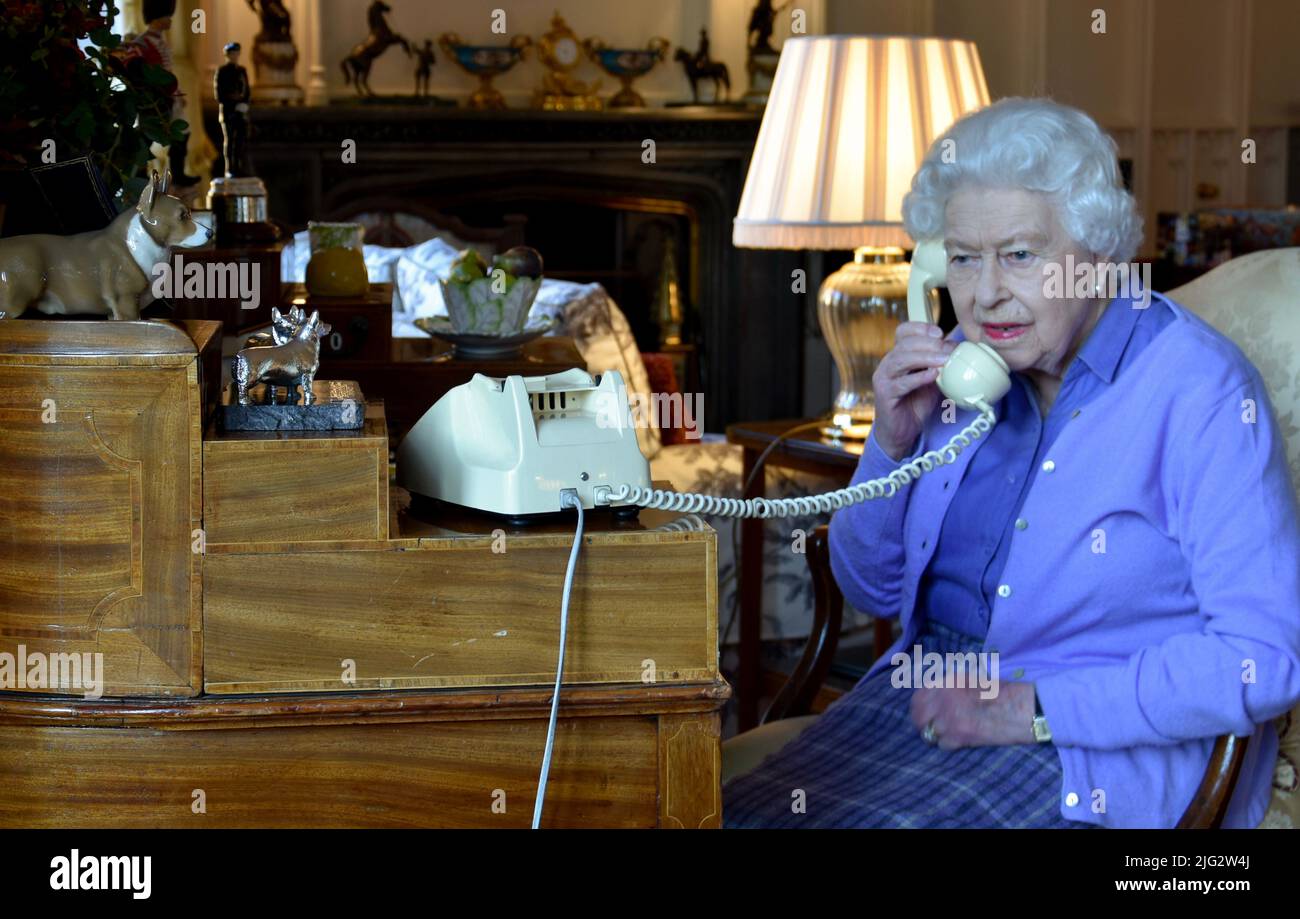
<point>566,51</point>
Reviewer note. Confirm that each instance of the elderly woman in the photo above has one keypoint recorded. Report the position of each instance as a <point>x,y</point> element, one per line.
<point>1123,542</point>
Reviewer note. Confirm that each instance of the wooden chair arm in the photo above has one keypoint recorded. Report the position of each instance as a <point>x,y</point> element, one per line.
<point>796,696</point>
<point>1208,806</point>
<point>1210,803</point>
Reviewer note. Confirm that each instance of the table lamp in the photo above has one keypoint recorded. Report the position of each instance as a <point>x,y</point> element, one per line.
<point>847,122</point>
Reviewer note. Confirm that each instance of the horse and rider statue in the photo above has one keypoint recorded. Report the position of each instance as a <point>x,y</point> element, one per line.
<point>699,67</point>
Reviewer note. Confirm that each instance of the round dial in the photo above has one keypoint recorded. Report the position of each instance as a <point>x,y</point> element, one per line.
<point>566,51</point>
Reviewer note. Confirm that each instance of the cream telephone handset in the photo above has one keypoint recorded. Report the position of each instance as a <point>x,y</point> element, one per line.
<point>974,373</point>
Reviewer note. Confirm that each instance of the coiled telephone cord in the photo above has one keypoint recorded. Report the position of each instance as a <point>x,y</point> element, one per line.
<point>831,501</point>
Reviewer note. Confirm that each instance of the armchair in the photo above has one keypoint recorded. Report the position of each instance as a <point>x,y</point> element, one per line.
<point>1249,299</point>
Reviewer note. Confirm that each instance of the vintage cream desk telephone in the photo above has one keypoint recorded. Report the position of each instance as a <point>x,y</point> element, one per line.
<point>518,446</point>
<point>527,445</point>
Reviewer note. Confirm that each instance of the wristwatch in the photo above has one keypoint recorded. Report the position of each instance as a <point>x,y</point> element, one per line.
<point>1042,733</point>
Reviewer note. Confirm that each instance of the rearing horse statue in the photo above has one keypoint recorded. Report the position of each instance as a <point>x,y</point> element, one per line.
<point>356,66</point>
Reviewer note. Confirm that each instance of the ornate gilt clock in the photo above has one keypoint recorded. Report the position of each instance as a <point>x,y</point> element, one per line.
<point>560,52</point>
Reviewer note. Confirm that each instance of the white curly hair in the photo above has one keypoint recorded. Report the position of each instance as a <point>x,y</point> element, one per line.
<point>1036,144</point>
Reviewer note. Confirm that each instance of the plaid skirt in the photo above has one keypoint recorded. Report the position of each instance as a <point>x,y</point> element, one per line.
<point>863,764</point>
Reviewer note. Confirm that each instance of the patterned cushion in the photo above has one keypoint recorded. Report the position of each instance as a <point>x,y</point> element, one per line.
<point>663,379</point>
<point>1253,300</point>
<point>604,339</point>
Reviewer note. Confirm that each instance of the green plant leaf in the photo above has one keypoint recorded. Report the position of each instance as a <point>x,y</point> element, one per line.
<point>157,76</point>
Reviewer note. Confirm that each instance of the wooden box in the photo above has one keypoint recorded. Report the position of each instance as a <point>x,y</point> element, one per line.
<point>264,260</point>
<point>292,486</point>
<point>361,328</point>
<point>465,602</point>
<point>100,497</point>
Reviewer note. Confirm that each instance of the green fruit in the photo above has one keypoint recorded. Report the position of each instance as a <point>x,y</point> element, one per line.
<point>468,266</point>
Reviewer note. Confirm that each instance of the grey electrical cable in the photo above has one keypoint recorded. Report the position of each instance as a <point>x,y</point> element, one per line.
<point>567,499</point>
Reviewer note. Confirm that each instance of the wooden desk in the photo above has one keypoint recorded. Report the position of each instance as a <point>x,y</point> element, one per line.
<point>632,755</point>
<point>310,663</point>
<point>628,753</point>
<point>806,451</point>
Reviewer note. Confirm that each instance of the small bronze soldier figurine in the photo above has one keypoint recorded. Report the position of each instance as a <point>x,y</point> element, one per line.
<point>426,61</point>
<point>233,94</point>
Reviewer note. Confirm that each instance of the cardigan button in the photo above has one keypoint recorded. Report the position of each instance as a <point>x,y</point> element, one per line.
<point>1048,466</point>
<point>1021,523</point>
<point>1071,799</point>
<point>1004,590</point>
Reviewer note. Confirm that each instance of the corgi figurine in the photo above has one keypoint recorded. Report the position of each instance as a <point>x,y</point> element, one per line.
<point>283,327</point>
<point>292,364</point>
<point>103,272</point>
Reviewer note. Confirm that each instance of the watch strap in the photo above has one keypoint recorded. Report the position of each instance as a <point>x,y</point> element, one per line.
<point>1042,733</point>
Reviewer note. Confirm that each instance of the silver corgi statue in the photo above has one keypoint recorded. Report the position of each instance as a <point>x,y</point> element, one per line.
<point>291,364</point>
<point>282,327</point>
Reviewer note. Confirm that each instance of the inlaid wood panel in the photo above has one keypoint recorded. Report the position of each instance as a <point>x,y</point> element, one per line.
<point>297,486</point>
<point>454,612</point>
<point>632,755</point>
<point>468,774</point>
<point>690,766</point>
<point>99,498</point>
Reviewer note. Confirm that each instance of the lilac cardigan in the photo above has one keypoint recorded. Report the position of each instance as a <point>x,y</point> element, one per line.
<point>1186,627</point>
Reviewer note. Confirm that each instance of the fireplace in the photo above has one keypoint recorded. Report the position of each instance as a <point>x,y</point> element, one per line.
<point>614,197</point>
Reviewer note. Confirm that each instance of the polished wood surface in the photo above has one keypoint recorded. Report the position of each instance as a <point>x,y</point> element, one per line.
<point>635,755</point>
<point>361,327</point>
<point>443,605</point>
<point>807,448</point>
<point>800,691</point>
<point>263,260</point>
<point>100,487</point>
<point>109,495</point>
<point>283,486</point>
<point>1209,804</point>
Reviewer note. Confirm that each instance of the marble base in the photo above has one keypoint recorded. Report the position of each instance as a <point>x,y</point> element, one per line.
<point>338,406</point>
<point>273,66</point>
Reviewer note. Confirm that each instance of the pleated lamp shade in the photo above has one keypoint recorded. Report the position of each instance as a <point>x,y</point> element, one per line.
<point>848,120</point>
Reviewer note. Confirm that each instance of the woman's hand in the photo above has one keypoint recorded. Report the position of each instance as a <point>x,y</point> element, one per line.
<point>905,385</point>
<point>962,719</point>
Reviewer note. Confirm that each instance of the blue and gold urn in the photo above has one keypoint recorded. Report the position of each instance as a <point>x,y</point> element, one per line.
<point>484,62</point>
<point>626,64</point>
